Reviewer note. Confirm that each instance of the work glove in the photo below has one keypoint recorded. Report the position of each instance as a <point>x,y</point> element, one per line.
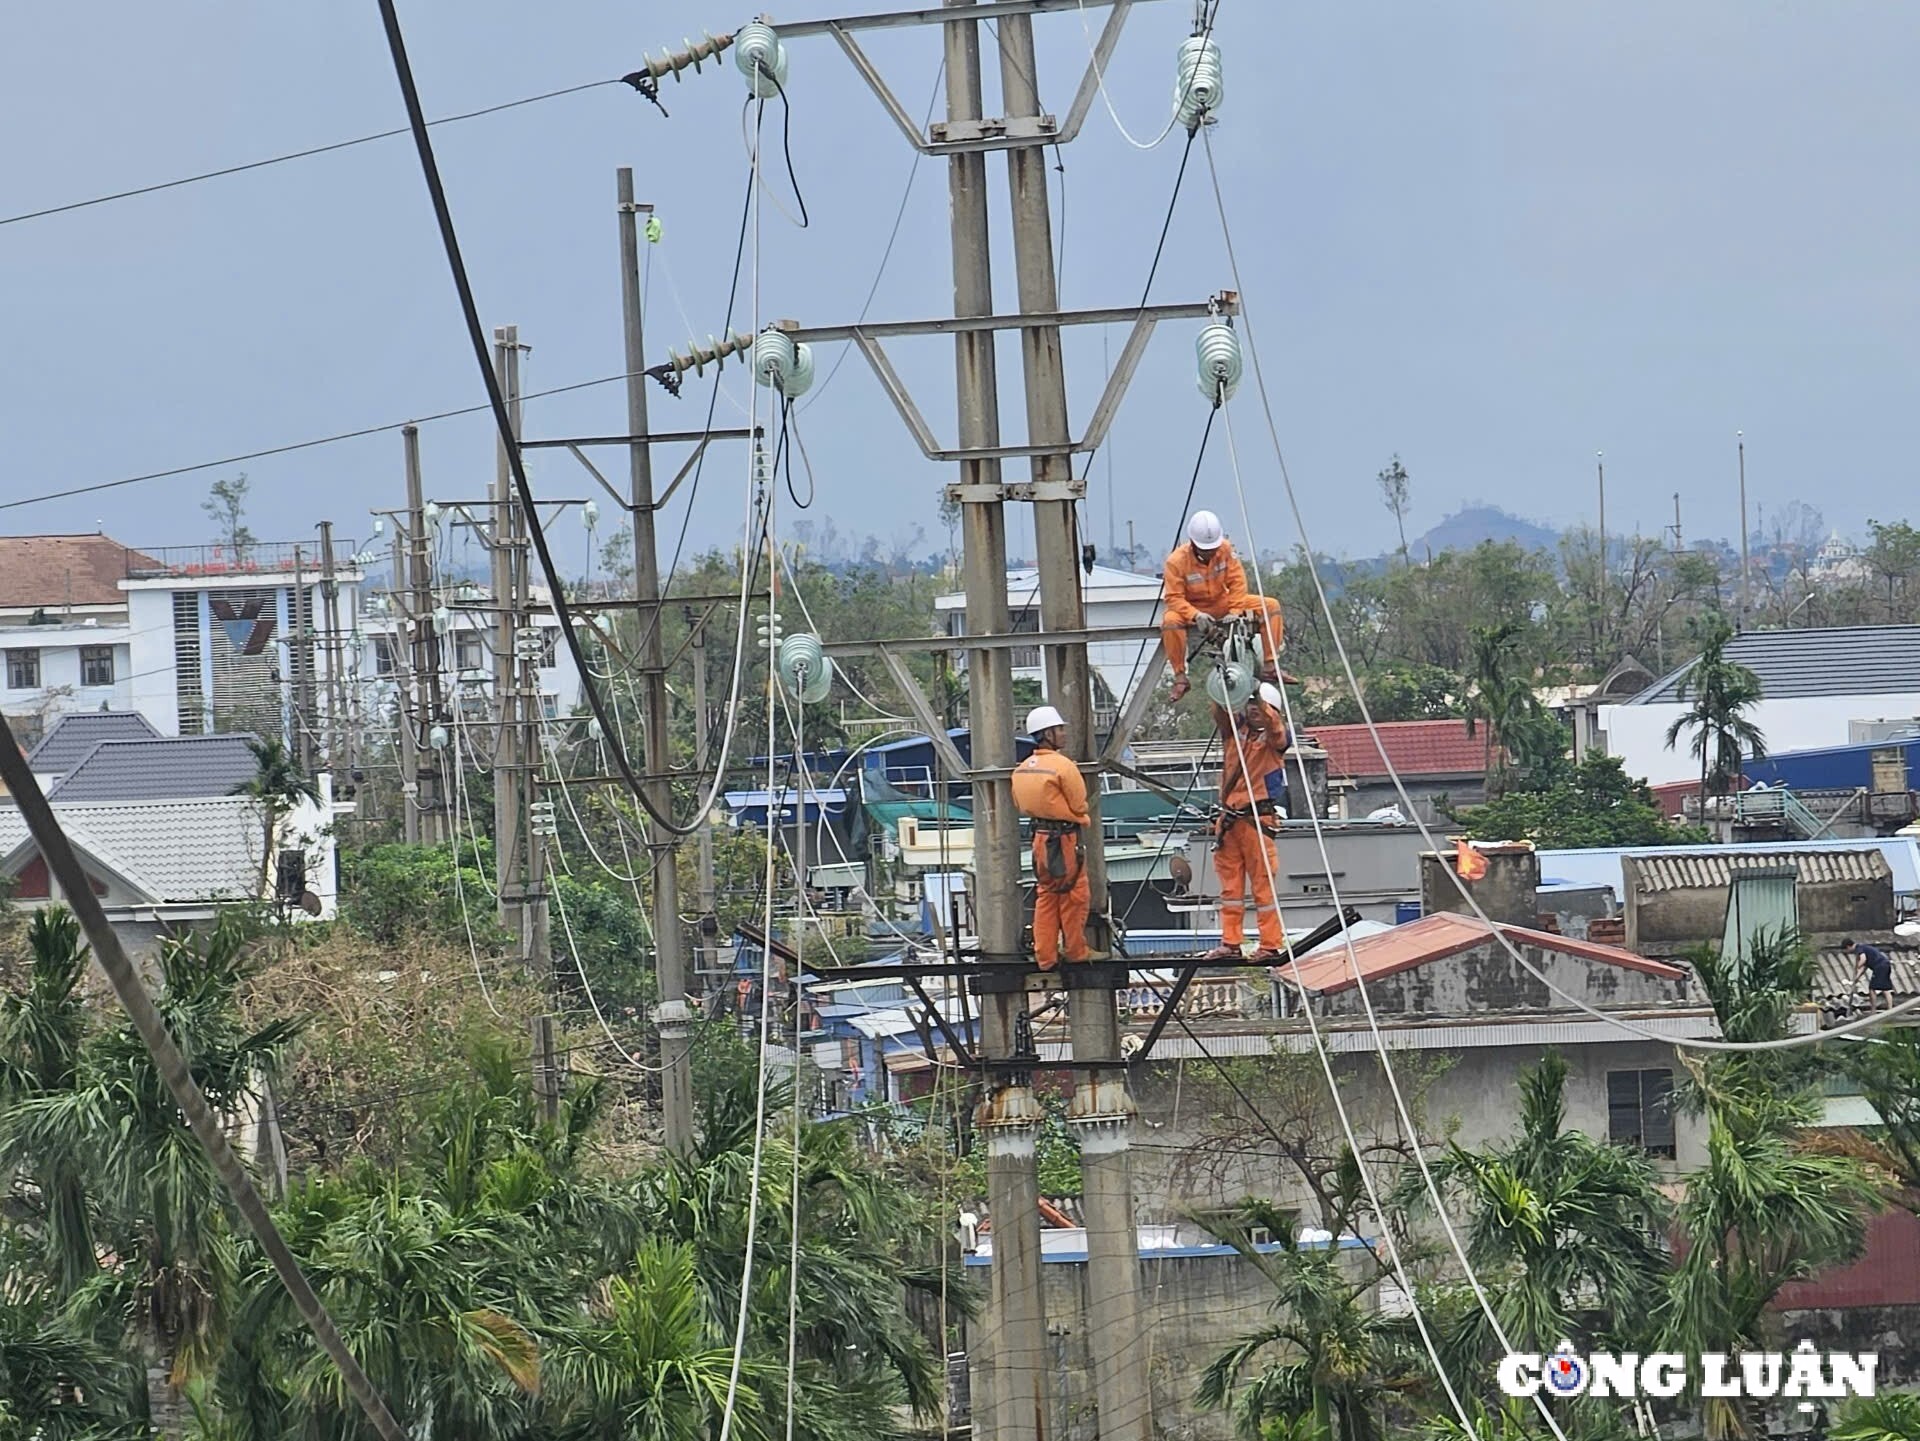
<point>1204,626</point>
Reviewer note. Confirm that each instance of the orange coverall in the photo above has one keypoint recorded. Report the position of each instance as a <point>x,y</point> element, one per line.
<point>1243,852</point>
<point>1048,786</point>
<point>1217,587</point>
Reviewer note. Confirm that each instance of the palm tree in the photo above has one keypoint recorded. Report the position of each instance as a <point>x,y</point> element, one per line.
<point>1773,1204</point>
<point>1500,695</point>
<point>276,786</point>
<point>157,1205</point>
<point>1564,1230</point>
<point>1722,691</point>
<point>41,1034</point>
<point>1328,1360</point>
<point>1894,1417</point>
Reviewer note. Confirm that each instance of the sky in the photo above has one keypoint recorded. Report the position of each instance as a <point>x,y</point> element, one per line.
<point>1493,237</point>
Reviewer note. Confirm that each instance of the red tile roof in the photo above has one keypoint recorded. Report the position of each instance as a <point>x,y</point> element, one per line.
<point>1416,748</point>
<point>1434,938</point>
<point>57,570</point>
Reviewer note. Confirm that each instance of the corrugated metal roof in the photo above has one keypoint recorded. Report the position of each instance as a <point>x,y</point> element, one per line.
<point>72,736</point>
<point>1602,865</point>
<point>1836,973</point>
<point>165,768</point>
<point>1838,660</point>
<point>1706,870</point>
<point>1433,938</point>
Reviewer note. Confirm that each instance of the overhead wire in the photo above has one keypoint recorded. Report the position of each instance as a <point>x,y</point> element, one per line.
<point>1209,16</point>
<point>1871,1021</point>
<point>298,154</point>
<point>1404,1114</point>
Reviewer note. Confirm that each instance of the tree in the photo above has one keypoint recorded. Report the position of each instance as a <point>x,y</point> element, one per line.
<point>1328,1359</point>
<point>1502,701</point>
<point>1596,804</point>
<point>1565,1231</point>
<point>1894,556</point>
<point>277,786</point>
<point>1396,490</point>
<point>156,1206</point>
<point>1722,692</point>
<point>1770,1206</point>
<point>226,507</point>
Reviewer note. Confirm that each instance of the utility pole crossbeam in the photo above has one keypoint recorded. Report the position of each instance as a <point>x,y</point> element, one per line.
<point>671,1016</point>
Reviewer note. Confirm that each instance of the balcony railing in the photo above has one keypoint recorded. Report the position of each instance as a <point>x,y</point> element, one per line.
<point>256,558</point>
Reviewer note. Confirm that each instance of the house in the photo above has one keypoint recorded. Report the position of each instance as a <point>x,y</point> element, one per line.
<point>236,641</point>
<point>159,830</point>
<point>1113,599</point>
<point>382,655</point>
<point>1815,685</point>
<point>65,637</point>
<point>72,738</point>
<point>1433,758</point>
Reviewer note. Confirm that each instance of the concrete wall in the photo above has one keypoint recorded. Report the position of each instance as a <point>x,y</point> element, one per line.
<point>1372,795</point>
<point>1488,978</point>
<point>60,689</point>
<point>1666,922</point>
<point>1196,1146</point>
<point>1505,892</point>
<point>1638,733</point>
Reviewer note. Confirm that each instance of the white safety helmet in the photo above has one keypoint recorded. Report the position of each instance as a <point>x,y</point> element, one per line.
<point>1204,529</point>
<point>1270,693</point>
<point>1042,718</point>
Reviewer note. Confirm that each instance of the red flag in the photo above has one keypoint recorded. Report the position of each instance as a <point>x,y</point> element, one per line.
<point>1467,861</point>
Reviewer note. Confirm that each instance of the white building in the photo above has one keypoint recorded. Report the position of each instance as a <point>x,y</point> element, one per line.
<point>65,641</point>
<point>1114,599</point>
<point>1814,684</point>
<point>467,643</point>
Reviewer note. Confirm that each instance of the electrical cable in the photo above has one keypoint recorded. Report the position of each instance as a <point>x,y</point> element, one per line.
<point>1404,1114</point>
<point>503,422</point>
<point>1784,1043</point>
<point>297,154</point>
<point>899,214</point>
<point>297,445</point>
<point>786,146</point>
<point>586,984</point>
<point>1209,16</point>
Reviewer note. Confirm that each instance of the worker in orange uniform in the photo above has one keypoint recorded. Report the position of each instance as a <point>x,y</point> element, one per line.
<point>1204,584</point>
<point>1254,746</point>
<point>1048,787</point>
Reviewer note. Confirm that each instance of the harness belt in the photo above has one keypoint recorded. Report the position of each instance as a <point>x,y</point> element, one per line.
<point>1053,836</point>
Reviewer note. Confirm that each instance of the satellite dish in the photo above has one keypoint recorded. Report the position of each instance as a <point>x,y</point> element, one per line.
<point>310,903</point>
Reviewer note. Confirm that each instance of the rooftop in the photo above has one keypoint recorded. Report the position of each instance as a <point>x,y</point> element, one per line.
<point>1434,938</point>
<point>1709,870</point>
<point>1829,661</point>
<point>73,737</point>
<point>159,768</point>
<point>1023,587</point>
<point>61,570</point>
<point>1415,748</point>
<point>201,849</point>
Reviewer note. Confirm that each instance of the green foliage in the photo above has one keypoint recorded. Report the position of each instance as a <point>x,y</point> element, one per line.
<point>1892,1417</point>
<point>1597,804</point>
<point>226,507</point>
<point>390,893</point>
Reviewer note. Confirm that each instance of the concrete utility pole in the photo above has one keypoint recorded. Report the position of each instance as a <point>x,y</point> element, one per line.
<point>671,1016</point>
<point>1102,1112</point>
<point>1008,1119</point>
<point>337,732</point>
<point>702,730</point>
<point>300,661</point>
<point>426,806</point>
<point>507,761</point>
<point>1740,439</point>
<point>399,591</point>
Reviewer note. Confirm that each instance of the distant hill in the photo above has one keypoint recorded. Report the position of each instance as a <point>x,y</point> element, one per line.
<point>1465,529</point>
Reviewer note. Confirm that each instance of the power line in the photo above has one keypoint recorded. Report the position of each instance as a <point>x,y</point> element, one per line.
<point>295,445</point>
<point>296,155</point>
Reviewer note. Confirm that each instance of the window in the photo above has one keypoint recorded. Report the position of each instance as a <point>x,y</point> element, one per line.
<point>96,665</point>
<point>467,651</point>
<point>550,705</point>
<point>290,876</point>
<point>383,655</point>
<point>23,670</point>
<point>1640,1110</point>
<point>549,646</point>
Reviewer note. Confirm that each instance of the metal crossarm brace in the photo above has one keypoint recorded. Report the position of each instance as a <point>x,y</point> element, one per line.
<point>909,688</point>
<point>953,1041</point>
